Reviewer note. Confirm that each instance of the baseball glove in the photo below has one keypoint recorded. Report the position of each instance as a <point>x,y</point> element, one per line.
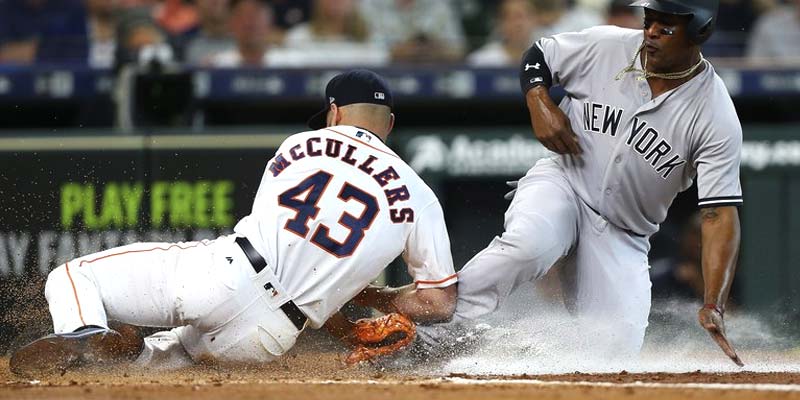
<point>380,336</point>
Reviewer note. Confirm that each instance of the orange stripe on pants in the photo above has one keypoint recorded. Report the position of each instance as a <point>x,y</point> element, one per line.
<point>74,291</point>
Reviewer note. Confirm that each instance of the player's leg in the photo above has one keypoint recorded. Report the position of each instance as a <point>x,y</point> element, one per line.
<point>612,287</point>
<point>138,284</point>
<point>224,311</point>
<point>540,228</point>
<point>256,335</point>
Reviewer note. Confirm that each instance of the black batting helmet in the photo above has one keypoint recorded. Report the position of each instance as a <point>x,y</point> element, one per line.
<point>703,13</point>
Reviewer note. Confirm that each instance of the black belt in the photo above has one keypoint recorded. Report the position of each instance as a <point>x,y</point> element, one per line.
<point>628,231</point>
<point>289,308</point>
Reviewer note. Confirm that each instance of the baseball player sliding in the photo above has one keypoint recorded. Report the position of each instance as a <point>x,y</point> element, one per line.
<point>644,113</point>
<point>334,207</point>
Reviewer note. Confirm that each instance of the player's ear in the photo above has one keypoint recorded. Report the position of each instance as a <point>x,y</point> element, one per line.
<point>333,117</point>
<point>391,123</point>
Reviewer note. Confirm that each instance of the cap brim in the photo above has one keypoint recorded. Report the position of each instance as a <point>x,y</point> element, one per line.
<point>663,6</point>
<point>318,120</point>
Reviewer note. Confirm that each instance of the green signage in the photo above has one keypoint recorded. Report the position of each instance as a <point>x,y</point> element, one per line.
<point>173,204</point>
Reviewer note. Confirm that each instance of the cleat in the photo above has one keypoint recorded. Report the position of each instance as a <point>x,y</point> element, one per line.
<point>60,352</point>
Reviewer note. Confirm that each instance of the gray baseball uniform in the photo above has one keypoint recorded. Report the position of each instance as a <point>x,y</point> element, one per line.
<point>595,212</point>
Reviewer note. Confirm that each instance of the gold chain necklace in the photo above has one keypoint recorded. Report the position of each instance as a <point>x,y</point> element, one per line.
<point>647,74</point>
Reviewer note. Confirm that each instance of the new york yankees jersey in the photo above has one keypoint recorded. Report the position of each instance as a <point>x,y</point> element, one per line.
<point>639,152</point>
<point>334,208</point>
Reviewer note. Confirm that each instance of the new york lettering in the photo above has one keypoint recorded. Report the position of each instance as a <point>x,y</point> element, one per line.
<point>646,141</point>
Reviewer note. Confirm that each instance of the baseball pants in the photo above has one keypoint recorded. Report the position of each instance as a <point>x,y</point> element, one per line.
<point>605,277</point>
<point>207,290</point>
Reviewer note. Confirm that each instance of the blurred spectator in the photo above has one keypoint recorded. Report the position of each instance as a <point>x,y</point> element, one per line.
<point>555,16</point>
<point>179,19</point>
<point>83,35</point>
<point>621,14</point>
<point>136,31</point>
<point>336,35</point>
<point>250,22</point>
<point>681,275</point>
<point>102,29</point>
<point>59,32</point>
<point>416,30</point>
<point>776,36</point>
<point>516,23</point>
<point>214,36</point>
<point>288,13</point>
<point>176,17</point>
<point>475,20</point>
<point>22,23</point>
<point>142,47</point>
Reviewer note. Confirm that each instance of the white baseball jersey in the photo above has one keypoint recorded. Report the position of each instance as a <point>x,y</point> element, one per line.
<point>334,208</point>
<point>639,152</point>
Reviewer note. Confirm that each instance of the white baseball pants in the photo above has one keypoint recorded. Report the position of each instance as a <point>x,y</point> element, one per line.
<point>207,289</point>
<point>607,281</point>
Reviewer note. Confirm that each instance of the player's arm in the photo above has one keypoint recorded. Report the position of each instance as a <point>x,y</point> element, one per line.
<point>421,305</point>
<point>550,125</point>
<point>340,327</point>
<point>432,296</point>
<point>717,160</point>
<point>720,239</point>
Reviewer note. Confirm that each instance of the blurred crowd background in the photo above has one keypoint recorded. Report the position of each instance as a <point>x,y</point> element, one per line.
<point>325,33</point>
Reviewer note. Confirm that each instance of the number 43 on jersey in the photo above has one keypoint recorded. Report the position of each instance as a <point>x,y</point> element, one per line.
<point>306,209</point>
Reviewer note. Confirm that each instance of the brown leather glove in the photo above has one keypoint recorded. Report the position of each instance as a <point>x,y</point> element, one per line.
<point>380,336</point>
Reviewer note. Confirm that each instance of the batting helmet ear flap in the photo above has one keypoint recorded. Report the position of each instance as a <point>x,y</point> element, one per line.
<point>704,32</point>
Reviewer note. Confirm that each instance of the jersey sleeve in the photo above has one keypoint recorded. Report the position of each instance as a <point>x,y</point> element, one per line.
<point>427,251</point>
<point>717,161</point>
<point>572,55</point>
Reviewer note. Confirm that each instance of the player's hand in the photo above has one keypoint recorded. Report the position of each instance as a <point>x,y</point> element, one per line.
<point>711,320</point>
<point>513,185</point>
<point>380,336</point>
<point>550,125</point>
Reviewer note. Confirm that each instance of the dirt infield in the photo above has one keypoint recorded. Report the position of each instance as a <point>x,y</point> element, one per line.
<point>315,369</point>
<point>322,375</point>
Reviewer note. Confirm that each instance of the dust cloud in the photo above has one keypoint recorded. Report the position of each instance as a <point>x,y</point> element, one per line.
<point>536,336</point>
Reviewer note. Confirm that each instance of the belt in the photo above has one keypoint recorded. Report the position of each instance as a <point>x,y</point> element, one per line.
<point>628,231</point>
<point>289,308</point>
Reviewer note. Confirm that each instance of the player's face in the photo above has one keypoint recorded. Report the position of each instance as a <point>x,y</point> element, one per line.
<point>667,42</point>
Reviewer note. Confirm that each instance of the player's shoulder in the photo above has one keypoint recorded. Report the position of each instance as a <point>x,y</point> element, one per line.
<point>716,117</point>
<point>719,100</point>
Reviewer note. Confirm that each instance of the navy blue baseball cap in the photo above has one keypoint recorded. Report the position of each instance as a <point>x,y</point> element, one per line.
<point>351,87</point>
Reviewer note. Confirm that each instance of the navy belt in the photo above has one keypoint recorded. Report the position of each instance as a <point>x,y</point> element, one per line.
<point>289,308</point>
